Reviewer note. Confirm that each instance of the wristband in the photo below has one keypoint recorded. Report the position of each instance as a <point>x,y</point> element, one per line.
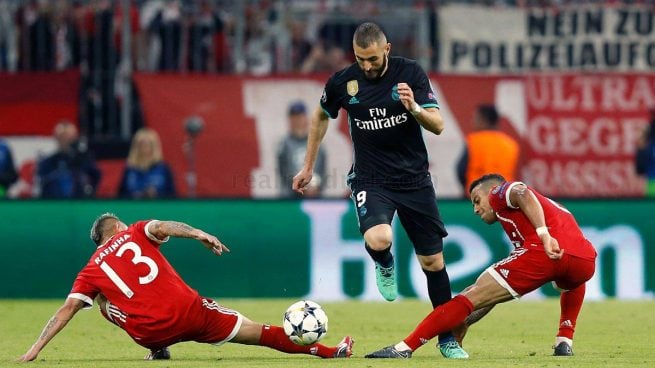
<point>416,109</point>
<point>542,230</point>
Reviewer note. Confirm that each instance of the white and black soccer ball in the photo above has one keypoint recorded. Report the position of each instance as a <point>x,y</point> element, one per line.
<point>305,322</point>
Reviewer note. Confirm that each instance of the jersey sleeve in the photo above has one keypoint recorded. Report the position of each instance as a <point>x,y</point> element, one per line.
<point>143,227</point>
<point>84,290</point>
<point>330,99</point>
<point>422,88</point>
<point>499,196</point>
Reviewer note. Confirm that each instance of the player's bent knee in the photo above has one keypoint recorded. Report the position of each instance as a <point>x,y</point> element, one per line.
<point>379,237</point>
<point>249,334</point>
<point>487,292</point>
<point>432,263</point>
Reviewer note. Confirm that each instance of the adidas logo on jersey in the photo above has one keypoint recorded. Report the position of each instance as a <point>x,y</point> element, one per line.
<point>353,101</point>
<point>504,272</point>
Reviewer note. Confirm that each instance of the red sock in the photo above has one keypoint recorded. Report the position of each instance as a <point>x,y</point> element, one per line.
<point>570,305</point>
<point>442,319</point>
<point>275,338</point>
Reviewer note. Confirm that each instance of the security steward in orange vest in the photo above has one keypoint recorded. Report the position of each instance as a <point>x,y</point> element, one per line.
<point>487,150</point>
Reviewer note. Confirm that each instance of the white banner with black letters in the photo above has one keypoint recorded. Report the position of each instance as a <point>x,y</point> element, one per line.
<point>476,39</point>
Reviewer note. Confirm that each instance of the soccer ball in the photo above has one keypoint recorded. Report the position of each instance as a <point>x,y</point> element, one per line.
<point>305,322</point>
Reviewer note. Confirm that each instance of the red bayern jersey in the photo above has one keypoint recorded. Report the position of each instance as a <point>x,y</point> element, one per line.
<point>560,222</point>
<point>149,299</point>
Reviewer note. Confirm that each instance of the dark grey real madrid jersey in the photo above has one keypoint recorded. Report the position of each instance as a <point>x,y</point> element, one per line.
<point>387,139</point>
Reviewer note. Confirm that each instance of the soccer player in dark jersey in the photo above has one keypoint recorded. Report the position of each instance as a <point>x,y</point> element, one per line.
<point>388,100</point>
<point>139,291</point>
<point>548,247</point>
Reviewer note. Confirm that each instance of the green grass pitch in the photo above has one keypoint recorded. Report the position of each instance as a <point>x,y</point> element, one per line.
<point>609,334</point>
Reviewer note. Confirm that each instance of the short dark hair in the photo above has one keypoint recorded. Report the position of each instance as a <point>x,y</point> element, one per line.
<point>495,178</point>
<point>489,114</point>
<point>100,227</point>
<point>367,34</point>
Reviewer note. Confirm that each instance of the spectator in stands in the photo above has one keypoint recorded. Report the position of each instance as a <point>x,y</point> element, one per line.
<point>71,171</point>
<point>167,25</point>
<point>135,31</point>
<point>146,174</point>
<point>8,173</point>
<point>7,36</point>
<point>258,48</point>
<point>338,29</point>
<point>66,45</point>
<point>35,38</point>
<point>206,39</point>
<point>291,154</point>
<point>300,45</point>
<point>487,149</point>
<point>645,157</point>
<point>327,58</point>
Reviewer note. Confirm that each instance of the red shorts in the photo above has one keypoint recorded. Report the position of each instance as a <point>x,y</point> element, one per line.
<point>218,324</point>
<point>208,322</point>
<point>525,270</point>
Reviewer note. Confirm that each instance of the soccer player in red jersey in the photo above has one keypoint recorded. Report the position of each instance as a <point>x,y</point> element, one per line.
<point>548,247</point>
<point>138,290</point>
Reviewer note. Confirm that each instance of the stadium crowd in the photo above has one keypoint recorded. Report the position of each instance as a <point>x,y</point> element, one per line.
<point>221,36</point>
<point>257,37</point>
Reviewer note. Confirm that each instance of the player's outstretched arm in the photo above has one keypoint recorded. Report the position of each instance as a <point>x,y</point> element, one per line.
<point>317,131</point>
<point>163,229</point>
<point>57,323</point>
<point>523,198</point>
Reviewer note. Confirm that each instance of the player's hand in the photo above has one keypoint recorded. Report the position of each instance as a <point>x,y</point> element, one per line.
<point>212,243</point>
<point>301,180</point>
<point>406,95</point>
<point>551,246</point>
<point>27,357</point>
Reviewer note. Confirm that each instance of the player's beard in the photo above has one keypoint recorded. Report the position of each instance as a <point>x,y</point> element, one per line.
<point>376,73</point>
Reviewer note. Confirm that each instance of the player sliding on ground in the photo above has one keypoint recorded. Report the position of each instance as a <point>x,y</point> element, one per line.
<point>548,247</point>
<point>139,291</point>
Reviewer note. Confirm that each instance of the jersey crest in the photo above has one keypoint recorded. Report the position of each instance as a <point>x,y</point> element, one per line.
<point>394,93</point>
<point>352,87</point>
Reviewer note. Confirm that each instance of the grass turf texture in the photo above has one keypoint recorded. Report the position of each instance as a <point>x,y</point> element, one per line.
<point>610,334</point>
